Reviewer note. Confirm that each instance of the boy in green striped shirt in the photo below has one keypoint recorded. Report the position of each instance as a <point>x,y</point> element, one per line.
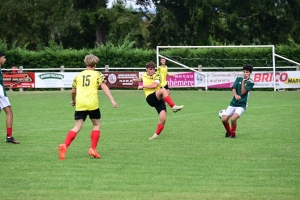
<point>241,91</point>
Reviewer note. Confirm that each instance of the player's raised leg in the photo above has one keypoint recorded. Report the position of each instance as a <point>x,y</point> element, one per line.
<point>163,93</point>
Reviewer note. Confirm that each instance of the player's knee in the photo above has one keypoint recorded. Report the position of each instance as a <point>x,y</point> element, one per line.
<point>233,120</point>
<point>224,120</point>
<point>162,118</point>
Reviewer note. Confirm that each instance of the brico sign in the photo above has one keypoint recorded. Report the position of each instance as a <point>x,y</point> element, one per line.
<point>268,77</point>
<point>283,79</point>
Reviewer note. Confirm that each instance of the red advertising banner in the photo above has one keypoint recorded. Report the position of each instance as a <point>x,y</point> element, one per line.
<point>120,79</point>
<point>19,80</point>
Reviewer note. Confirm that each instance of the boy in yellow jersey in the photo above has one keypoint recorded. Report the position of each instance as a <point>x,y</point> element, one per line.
<point>163,71</point>
<point>156,96</point>
<point>84,96</point>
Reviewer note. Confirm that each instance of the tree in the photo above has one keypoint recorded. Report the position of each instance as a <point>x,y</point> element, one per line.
<point>126,22</point>
<point>32,23</point>
<point>259,21</point>
<point>181,23</point>
<point>113,24</point>
<point>194,22</point>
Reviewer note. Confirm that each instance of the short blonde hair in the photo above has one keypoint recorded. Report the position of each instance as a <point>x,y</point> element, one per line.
<point>91,60</point>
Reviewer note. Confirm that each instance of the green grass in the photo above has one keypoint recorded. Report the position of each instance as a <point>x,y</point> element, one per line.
<point>190,160</point>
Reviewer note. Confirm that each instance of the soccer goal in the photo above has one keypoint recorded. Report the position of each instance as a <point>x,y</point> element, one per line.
<point>211,60</point>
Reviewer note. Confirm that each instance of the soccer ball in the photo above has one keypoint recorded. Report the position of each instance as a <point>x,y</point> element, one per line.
<point>221,113</point>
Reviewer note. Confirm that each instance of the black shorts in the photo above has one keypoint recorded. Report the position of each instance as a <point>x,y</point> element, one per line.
<point>166,87</point>
<point>93,114</point>
<point>159,105</point>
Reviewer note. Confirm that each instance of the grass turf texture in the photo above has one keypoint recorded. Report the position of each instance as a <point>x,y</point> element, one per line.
<point>191,159</point>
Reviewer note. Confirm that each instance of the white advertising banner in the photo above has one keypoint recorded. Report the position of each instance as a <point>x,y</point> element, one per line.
<point>217,79</point>
<point>54,79</point>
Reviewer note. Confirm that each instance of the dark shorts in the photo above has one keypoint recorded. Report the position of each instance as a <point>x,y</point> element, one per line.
<point>93,114</point>
<point>159,105</point>
<point>166,87</point>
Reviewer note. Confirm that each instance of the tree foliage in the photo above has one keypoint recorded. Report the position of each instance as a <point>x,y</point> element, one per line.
<point>195,22</point>
<point>34,24</point>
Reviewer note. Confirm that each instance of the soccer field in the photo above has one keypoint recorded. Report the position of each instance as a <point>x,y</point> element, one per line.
<point>191,159</point>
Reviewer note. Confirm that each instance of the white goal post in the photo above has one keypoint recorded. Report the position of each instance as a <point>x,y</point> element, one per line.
<point>272,47</point>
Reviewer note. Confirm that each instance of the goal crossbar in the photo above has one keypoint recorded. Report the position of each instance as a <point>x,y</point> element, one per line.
<point>210,47</point>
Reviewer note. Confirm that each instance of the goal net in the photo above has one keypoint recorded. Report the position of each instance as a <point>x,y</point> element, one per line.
<point>218,66</point>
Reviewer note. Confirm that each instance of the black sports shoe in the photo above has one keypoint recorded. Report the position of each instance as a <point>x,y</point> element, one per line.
<point>233,136</point>
<point>227,135</point>
<point>12,140</point>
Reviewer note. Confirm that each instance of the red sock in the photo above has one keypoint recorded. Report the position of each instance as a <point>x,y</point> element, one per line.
<point>227,127</point>
<point>159,129</point>
<point>169,101</point>
<point>233,129</point>
<point>95,135</point>
<point>70,137</point>
<point>8,132</point>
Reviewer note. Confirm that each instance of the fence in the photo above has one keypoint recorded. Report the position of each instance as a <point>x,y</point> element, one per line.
<point>184,77</point>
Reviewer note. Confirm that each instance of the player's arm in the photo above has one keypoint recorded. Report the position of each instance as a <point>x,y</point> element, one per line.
<point>137,80</point>
<point>151,86</point>
<point>249,85</point>
<point>244,91</point>
<point>73,92</point>
<point>108,94</point>
<point>236,96</point>
<point>1,91</point>
<point>172,75</point>
<point>234,87</point>
<point>73,96</point>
